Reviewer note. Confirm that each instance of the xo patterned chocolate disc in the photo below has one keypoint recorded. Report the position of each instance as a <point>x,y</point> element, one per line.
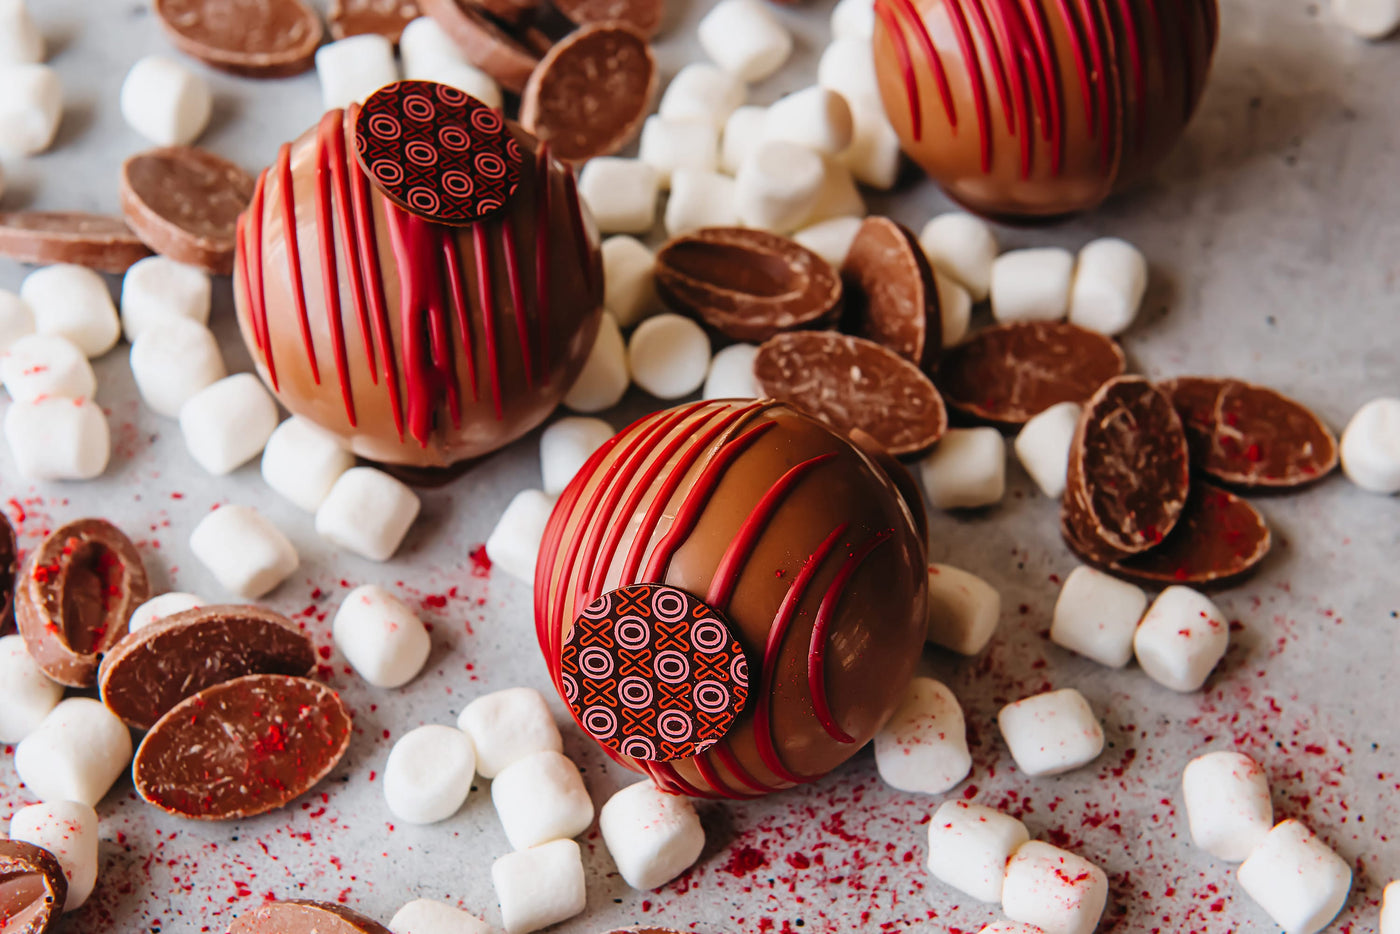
<point>437,152</point>
<point>653,673</point>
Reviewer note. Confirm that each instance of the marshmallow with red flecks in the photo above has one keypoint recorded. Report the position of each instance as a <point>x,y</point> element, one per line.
<point>565,446</point>
<point>1042,446</point>
<point>745,39</point>
<point>964,248</point>
<point>778,185</point>
<point>1296,878</point>
<point>1369,19</point>
<point>669,356</point>
<point>847,66</point>
<point>923,746</point>
<point>246,553</point>
<point>58,439</point>
<point>743,131</point>
<point>700,199</point>
<point>425,916</point>
<point>873,155</point>
<point>816,117</point>
<point>853,19</point>
<point>429,773</point>
<point>75,754</point>
<point>540,886</point>
<point>704,93</point>
<point>173,362</point>
<point>1181,639</point>
<point>1227,804</point>
<point>620,194</point>
<point>367,512</point>
<point>227,423</point>
<point>514,544</point>
<point>73,302</point>
<point>1053,889</point>
<point>429,54</point>
<point>967,469</point>
<point>158,608</point>
<point>1110,278</point>
<point>68,830</point>
<point>604,378</point>
<point>653,836</point>
<point>541,798</point>
<point>508,725</point>
<point>830,239</point>
<point>629,289</point>
<point>156,289</point>
<point>668,145</point>
<point>353,68</point>
<point>731,374</point>
<point>21,43</point>
<point>302,461</point>
<point>26,693</point>
<point>382,639</point>
<point>1096,615</point>
<point>30,108</point>
<point>1371,446</point>
<point>16,318</point>
<point>42,366</point>
<point>1390,909</point>
<point>954,308</point>
<point>166,102</point>
<point>969,846</point>
<point>1032,284</point>
<point>1051,733</point>
<point>963,609</point>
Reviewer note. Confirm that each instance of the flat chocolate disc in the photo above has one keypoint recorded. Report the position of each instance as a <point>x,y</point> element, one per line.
<point>891,296</point>
<point>437,152</point>
<point>1219,538</point>
<point>96,241</point>
<point>298,917</point>
<point>653,673</point>
<point>184,203</point>
<point>255,38</point>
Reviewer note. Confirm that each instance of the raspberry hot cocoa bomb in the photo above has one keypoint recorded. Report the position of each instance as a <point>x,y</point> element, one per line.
<point>418,276</point>
<point>731,597</point>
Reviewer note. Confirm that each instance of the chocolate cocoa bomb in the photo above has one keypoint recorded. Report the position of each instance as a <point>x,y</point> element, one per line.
<point>421,343</point>
<point>1045,108</point>
<point>792,534</point>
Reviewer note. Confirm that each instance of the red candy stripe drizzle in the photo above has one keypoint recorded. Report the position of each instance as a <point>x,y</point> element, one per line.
<point>291,237</point>
<point>906,68</point>
<point>344,211</point>
<point>330,275</point>
<point>257,294</point>
<point>486,296</point>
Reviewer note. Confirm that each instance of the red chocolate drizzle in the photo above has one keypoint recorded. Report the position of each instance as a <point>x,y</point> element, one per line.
<point>816,656</point>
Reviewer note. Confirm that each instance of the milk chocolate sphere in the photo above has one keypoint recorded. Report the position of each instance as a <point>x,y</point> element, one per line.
<point>758,516</point>
<point>442,288</point>
<point>1041,108</point>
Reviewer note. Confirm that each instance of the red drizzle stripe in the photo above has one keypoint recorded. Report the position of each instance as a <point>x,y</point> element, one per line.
<point>725,755</point>
<point>975,77</point>
<point>487,297</point>
<point>410,238</point>
<point>457,294</point>
<point>665,771</point>
<point>711,777</point>
<point>1081,63</point>
<point>1007,54</point>
<point>289,237</point>
<point>1050,81</point>
<point>366,243</point>
<point>330,273</point>
<point>940,75</point>
<point>542,259</point>
<point>984,31</point>
<point>517,298</point>
<point>444,360</point>
<point>906,68</point>
<point>340,166</point>
<point>1134,43</point>
<point>257,296</point>
<point>1100,71</point>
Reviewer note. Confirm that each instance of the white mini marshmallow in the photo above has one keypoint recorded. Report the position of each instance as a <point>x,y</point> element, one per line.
<point>1181,639</point>
<point>227,423</point>
<point>969,846</point>
<point>1051,733</point>
<point>16,317</point>
<point>156,289</point>
<point>166,102</point>
<point>173,362</point>
<point>508,725</point>
<point>1390,909</point>
<point>954,308</point>
<point>853,19</point>
<point>73,302</point>
<point>1227,804</point>
<point>873,155</point>
<point>778,185</point>
<point>668,145</point>
<point>565,446</point>
<point>382,639</point>
<point>1042,446</point>
<point>46,366</point>
<point>1369,19</point>
<point>246,553</point>
<point>158,608</point>
<point>1053,889</point>
<point>30,108</point>
<point>21,43</point>
<point>629,289</point>
<point>429,773</point>
<point>1032,285</point>
<point>58,439</point>
<point>75,754</point>
<point>847,66</point>
<point>967,469</point>
<point>830,239</point>
<point>68,830</point>
<point>1296,879</point>
<point>652,836</point>
<point>26,693</point>
<point>425,916</point>
<point>839,196</point>
<point>816,117</point>
<point>731,374</point>
<point>429,54</point>
<point>367,512</point>
<point>963,609</point>
<point>354,68</point>
<point>1371,446</point>
<point>541,798</point>
<point>514,544</point>
<point>540,886</point>
<point>1110,278</point>
<point>742,132</point>
<point>963,247</point>
<point>745,39</point>
<point>702,92</point>
<point>923,746</point>
<point>620,194</point>
<point>302,461</point>
<point>604,379</point>
<point>700,199</point>
<point>669,356</point>
<point>1096,615</point>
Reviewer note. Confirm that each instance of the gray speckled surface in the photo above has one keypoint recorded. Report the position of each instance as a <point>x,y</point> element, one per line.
<point>1275,249</point>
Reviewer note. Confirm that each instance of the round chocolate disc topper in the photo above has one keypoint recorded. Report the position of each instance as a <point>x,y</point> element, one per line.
<point>437,152</point>
<point>653,673</point>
